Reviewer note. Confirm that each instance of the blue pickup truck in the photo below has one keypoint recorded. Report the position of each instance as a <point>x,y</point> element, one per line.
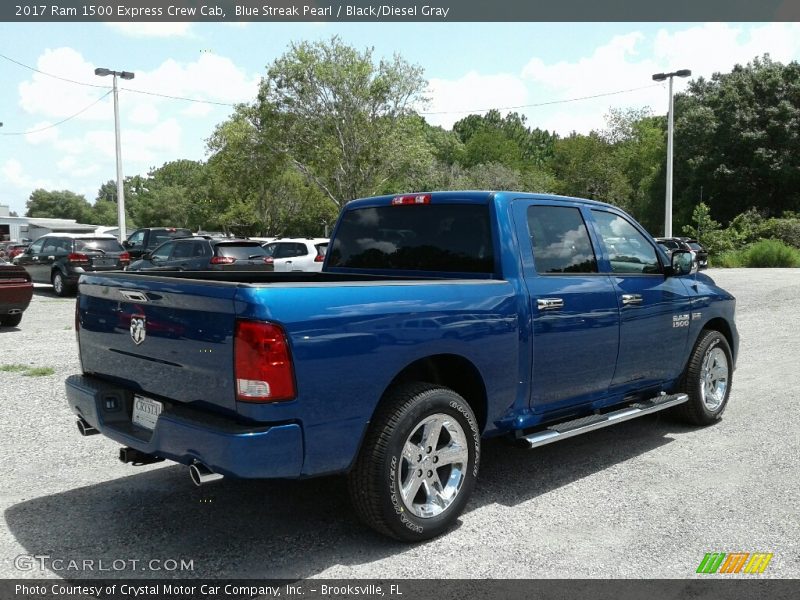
<point>438,320</point>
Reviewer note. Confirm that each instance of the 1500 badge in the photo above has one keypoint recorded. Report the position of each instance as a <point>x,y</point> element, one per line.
<point>680,320</point>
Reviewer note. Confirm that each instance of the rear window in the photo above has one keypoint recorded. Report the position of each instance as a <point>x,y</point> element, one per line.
<point>242,251</point>
<point>105,244</point>
<point>429,237</point>
<point>321,249</point>
<point>695,246</point>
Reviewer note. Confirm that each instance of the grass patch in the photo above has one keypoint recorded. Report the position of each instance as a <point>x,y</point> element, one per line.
<point>727,260</point>
<point>39,372</point>
<point>771,253</point>
<point>28,371</point>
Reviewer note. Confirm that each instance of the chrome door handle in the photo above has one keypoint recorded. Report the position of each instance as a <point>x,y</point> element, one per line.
<point>631,299</point>
<point>549,303</point>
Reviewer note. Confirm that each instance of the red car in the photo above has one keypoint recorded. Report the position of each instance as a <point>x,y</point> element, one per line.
<point>15,250</point>
<point>16,291</point>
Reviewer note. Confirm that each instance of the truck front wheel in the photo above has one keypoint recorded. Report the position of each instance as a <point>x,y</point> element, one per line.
<point>418,463</point>
<point>707,379</point>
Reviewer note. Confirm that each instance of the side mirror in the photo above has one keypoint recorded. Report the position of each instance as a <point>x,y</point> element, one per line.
<point>681,262</point>
<point>126,244</point>
<point>147,256</point>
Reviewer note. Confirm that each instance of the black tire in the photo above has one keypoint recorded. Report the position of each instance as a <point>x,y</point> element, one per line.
<point>702,407</point>
<point>60,285</point>
<point>375,480</point>
<point>11,320</point>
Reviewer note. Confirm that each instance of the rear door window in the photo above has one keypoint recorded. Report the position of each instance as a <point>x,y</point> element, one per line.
<point>427,237</point>
<point>560,240</point>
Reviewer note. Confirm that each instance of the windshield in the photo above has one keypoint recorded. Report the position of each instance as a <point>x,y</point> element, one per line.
<point>428,237</point>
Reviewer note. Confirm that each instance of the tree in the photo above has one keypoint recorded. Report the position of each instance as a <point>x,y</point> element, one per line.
<point>338,114</point>
<point>62,204</point>
<point>737,137</point>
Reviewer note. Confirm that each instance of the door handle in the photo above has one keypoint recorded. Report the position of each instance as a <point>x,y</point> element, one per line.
<point>549,303</point>
<point>631,299</point>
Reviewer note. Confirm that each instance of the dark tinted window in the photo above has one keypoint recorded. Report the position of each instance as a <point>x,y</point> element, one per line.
<point>429,237</point>
<point>162,252</point>
<point>560,240</point>
<point>628,250</point>
<point>159,236</point>
<point>695,246</point>
<point>183,249</point>
<point>104,244</point>
<point>241,251</point>
<point>321,249</point>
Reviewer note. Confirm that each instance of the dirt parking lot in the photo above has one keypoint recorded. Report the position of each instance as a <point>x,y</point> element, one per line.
<point>647,498</point>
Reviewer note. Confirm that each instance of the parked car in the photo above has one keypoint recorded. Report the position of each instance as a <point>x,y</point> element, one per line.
<point>16,291</point>
<point>529,316</point>
<point>297,254</point>
<point>14,250</point>
<point>205,254</point>
<point>61,258</point>
<point>147,239</point>
<point>699,254</point>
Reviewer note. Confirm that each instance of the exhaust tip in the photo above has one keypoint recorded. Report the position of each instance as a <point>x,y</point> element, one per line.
<point>85,429</point>
<point>202,475</point>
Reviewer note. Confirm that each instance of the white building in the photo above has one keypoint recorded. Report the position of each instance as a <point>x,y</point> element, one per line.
<point>29,228</point>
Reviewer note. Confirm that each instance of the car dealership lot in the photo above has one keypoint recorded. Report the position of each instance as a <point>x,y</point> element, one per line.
<point>647,498</point>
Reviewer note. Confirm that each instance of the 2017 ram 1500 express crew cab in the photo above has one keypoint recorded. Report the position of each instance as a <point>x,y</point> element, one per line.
<point>438,320</point>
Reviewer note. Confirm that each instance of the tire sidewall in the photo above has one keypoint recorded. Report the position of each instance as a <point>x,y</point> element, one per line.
<point>711,340</point>
<point>62,291</point>
<point>405,524</point>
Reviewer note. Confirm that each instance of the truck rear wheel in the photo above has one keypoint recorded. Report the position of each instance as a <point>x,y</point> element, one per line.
<point>418,463</point>
<point>707,380</point>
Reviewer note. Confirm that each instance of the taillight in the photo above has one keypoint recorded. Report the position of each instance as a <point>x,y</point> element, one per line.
<point>320,258</point>
<point>269,260</point>
<point>411,199</point>
<point>262,365</point>
<point>222,260</point>
<point>77,257</point>
<point>125,257</point>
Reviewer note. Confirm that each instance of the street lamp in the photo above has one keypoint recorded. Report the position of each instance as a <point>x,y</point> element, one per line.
<point>670,127</point>
<point>120,192</point>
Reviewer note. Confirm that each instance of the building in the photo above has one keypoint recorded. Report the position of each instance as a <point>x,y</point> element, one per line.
<point>18,229</point>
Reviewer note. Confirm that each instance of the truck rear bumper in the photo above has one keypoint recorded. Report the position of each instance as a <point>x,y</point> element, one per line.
<point>187,435</point>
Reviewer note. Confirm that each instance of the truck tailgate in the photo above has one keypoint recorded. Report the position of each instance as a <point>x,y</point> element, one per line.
<point>162,337</point>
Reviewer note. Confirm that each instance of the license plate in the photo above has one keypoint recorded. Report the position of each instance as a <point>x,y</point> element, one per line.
<point>146,411</point>
<point>104,262</point>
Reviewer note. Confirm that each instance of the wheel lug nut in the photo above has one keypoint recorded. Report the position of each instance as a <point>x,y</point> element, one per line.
<point>419,473</point>
<point>429,450</point>
<point>436,459</point>
<point>430,473</point>
<point>419,458</point>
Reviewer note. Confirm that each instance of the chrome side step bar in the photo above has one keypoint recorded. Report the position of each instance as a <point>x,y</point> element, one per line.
<point>568,429</point>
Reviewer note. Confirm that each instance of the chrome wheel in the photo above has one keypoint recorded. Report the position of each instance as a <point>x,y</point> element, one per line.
<point>432,465</point>
<point>714,378</point>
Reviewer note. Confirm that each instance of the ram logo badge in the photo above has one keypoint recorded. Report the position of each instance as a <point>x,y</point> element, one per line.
<point>138,330</point>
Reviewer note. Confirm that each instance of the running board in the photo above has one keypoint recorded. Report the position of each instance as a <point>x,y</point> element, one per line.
<point>568,429</point>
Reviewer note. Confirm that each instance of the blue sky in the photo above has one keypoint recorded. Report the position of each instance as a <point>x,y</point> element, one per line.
<point>470,66</point>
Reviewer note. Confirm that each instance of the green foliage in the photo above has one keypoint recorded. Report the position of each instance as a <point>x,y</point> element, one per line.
<point>28,371</point>
<point>58,205</point>
<point>737,139</point>
<point>785,230</point>
<point>727,260</point>
<point>337,113</point>
<point>771,253</point>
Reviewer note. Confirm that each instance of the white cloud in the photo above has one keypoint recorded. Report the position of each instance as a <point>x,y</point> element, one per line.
<point>628,61</point>
<point>144,29</point>
<point>41,133</point>
<point>144,114</point>
<point>197,109</point>
<point>14,173</point>
<point>470,92</point>
<point>55,98</point>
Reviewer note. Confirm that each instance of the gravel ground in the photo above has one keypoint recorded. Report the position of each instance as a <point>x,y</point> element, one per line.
<point>647,498</point>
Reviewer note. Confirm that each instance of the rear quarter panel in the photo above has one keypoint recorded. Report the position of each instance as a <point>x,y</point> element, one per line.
<point>349,341</point>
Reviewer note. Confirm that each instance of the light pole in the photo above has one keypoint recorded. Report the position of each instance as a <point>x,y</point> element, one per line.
<point>120,192</point>
<point>670,127</point>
